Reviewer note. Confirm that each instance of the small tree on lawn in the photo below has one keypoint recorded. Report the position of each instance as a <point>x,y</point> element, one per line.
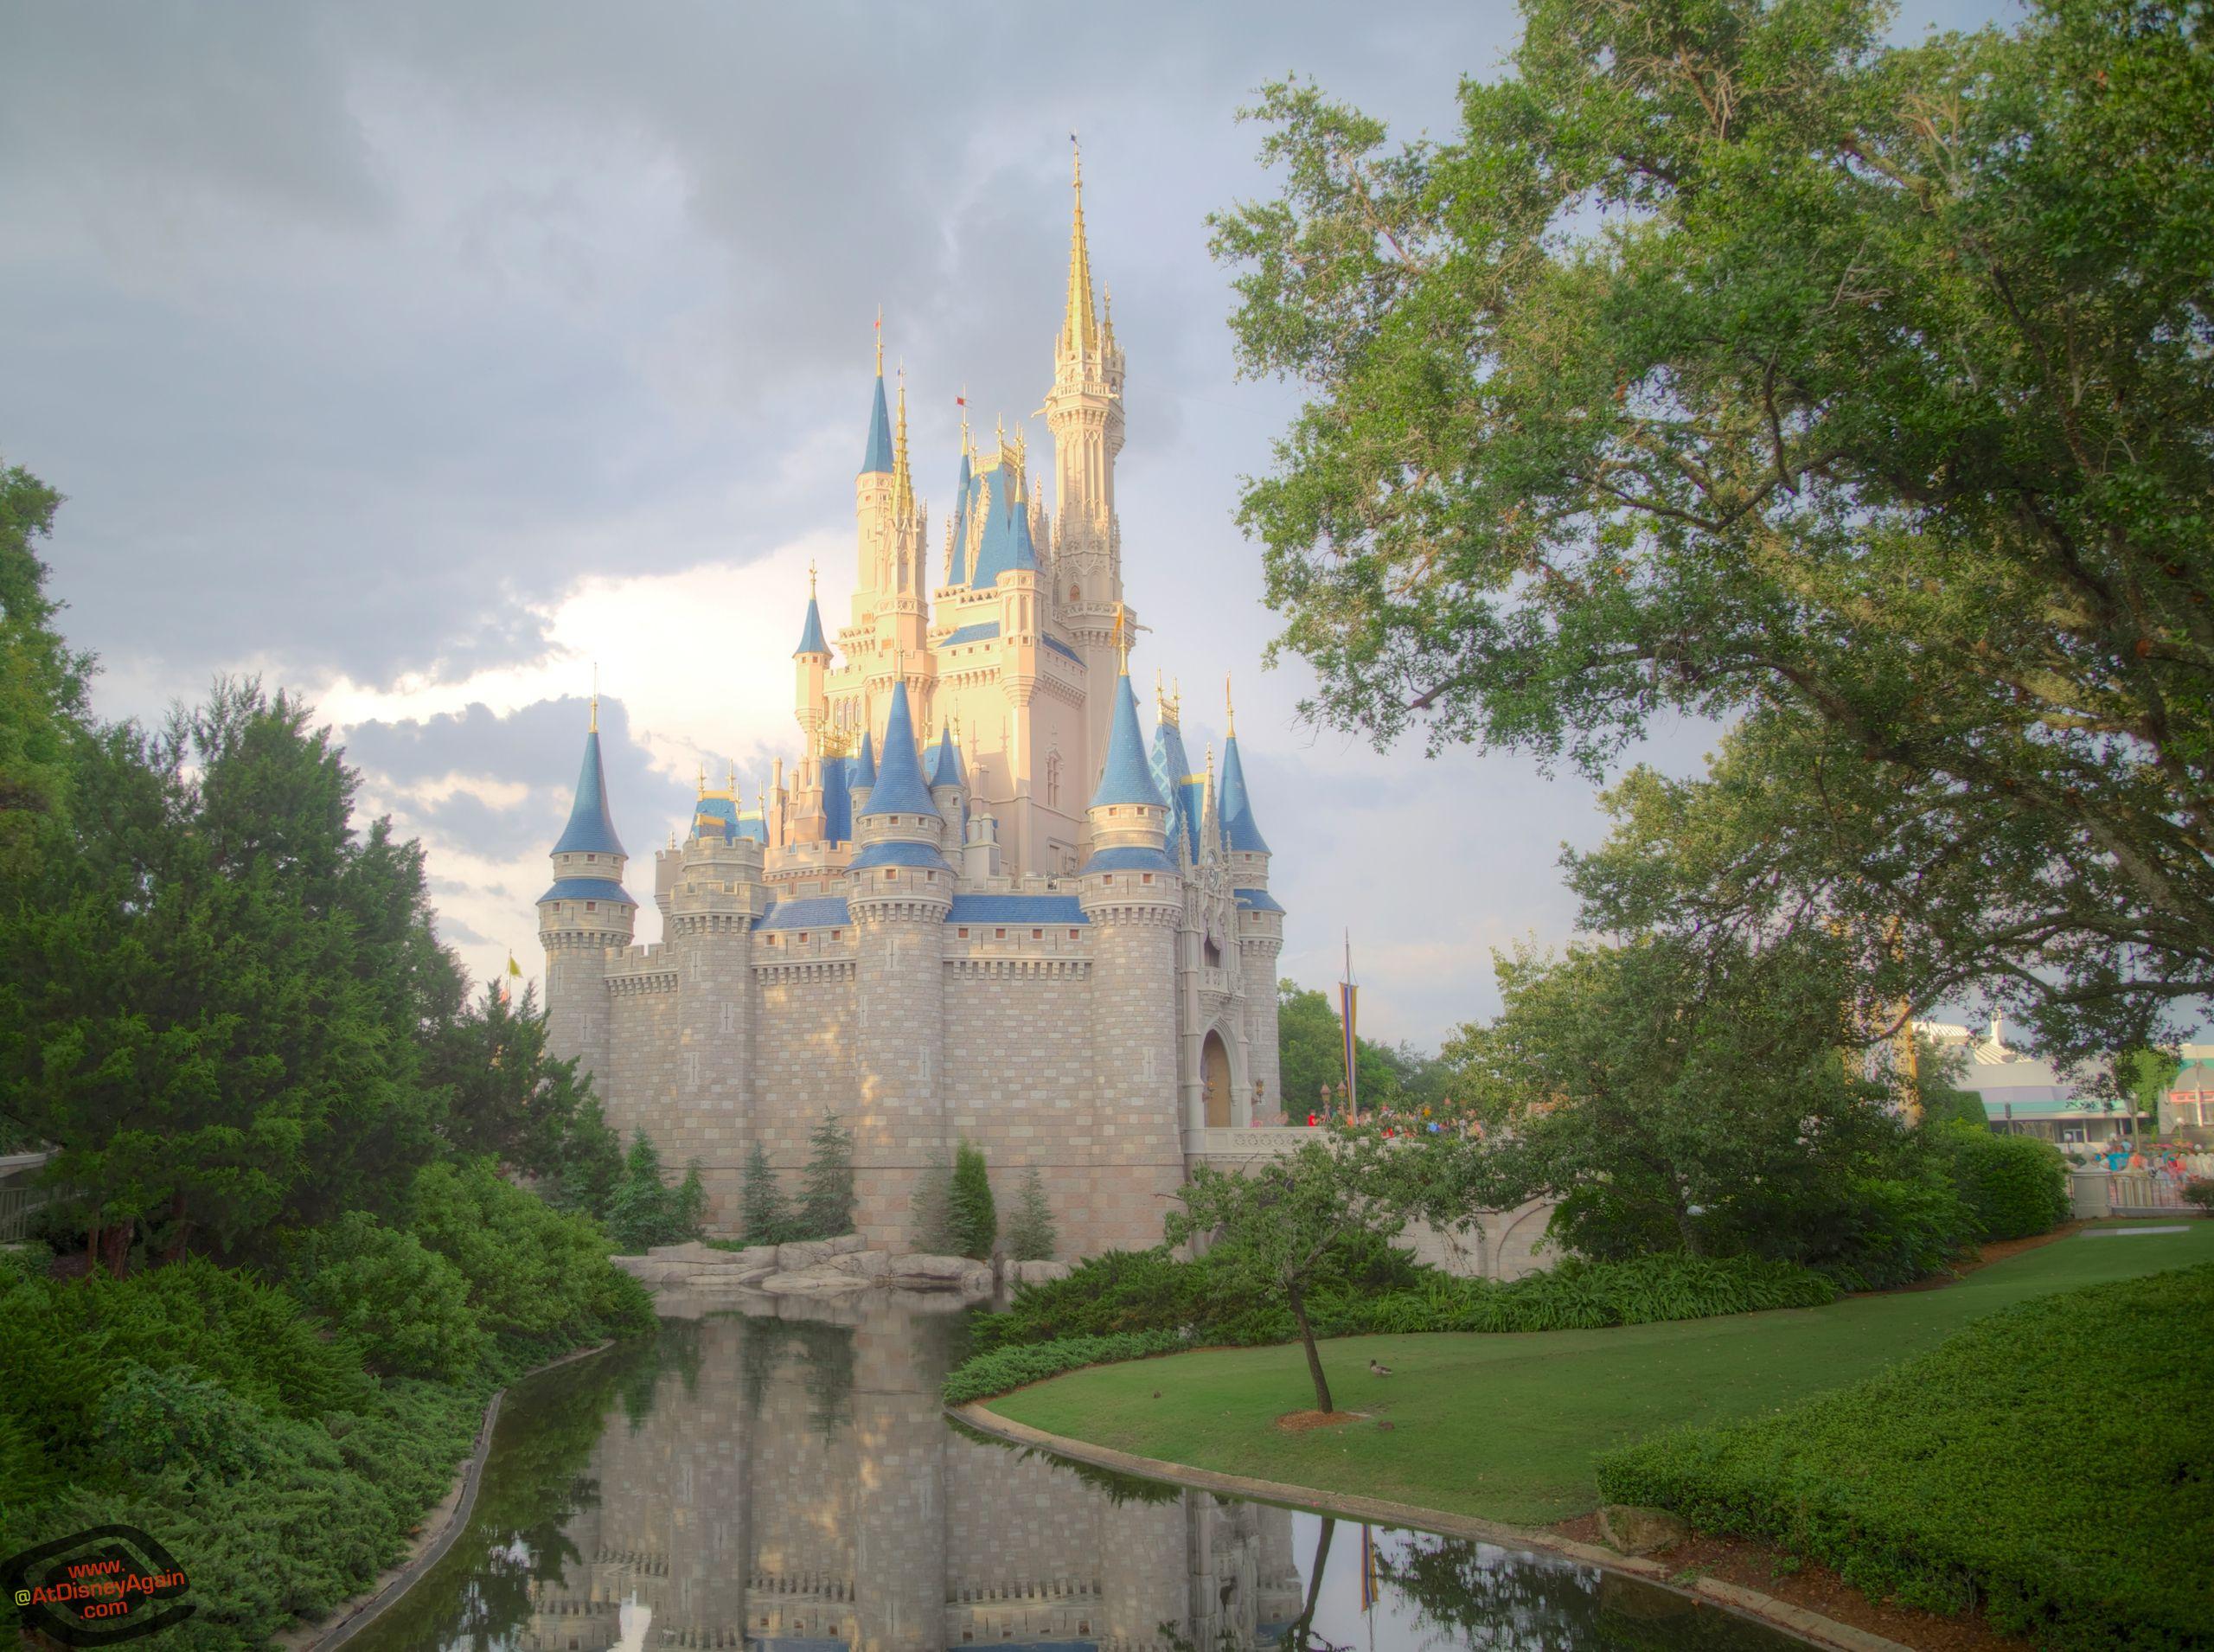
<point>1030,1236</point>
<point>974,1222</point>
<point>1273,1224</point>
<point>763,1213</point>
<point>639,1215</point>
<point>827,1206</point>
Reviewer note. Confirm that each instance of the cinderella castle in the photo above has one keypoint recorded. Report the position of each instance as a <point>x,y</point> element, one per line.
<point>979,905</point>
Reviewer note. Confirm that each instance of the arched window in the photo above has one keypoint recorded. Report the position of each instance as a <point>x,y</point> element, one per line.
<point>1053,779</point>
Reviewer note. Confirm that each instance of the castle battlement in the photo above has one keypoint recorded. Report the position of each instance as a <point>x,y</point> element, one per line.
<point>979,905</point>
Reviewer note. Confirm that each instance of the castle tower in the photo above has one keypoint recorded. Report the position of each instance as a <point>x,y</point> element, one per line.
<point>1260,930</point>
<point>1130,893</point>
<point>581,918</point>
<point>1083,411</point>
<point>717,897</point>
<point>899,891</point>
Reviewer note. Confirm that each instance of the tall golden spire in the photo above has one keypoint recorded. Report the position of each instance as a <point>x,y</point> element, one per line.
<point>594,729</point>
<point>880,340</point>
<point>1230,710</point>
<point>903,486</point>
<point>1080,329</point>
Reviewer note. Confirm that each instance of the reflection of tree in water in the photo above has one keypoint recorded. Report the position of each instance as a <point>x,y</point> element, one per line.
<point>1481,1596</point>
<point>535,1481</point>
<point>678,1351</point>
<point>826,1361</point>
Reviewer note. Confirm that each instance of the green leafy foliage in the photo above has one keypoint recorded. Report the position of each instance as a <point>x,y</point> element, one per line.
<point>972,1222</point>
<point>538,1279</point>
<point>1997,1470</point>
<point>2199,1191</point>
<point>826,1186</point>
<point>1705,370</point>
<point>2015,1186</point>
<point>1310,1043</point>
<point>404,1306</point>
<point>643,1211</point>
<point>1012,1366</point>
<point>930,1216</point>
<point>1030,1235</point>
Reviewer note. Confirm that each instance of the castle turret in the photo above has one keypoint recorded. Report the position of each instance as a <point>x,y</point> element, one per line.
<point>810,663</point>
<point>899,889</point>
<point>948,787</point>
<point>1260,927</point>
<point>1134,900</point>
<point>873,491</point>
<point>584,916</point>
<point>863,777</point>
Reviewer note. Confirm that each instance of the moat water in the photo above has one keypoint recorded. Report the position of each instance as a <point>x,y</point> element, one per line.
<point>788,1484</point>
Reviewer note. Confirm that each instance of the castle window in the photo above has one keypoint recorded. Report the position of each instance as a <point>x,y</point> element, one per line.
<point>890,872</point>
<point>999,934</point>
<point>591,858</point>
<point>592,906</point>
<point>964,934</point>
<point>802,937</point>
<point>1072,934</point>
<point>1145,877</point>
<point>1037,934</point>
<point>837,934</point>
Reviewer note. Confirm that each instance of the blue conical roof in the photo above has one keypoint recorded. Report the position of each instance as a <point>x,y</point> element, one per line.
<point>865,764</point>
<point>1126,778</point>
<point>811,631</point>
<point>878,454</point>
<point>591,829</point>
<point>1238,827</point>
<point>945,767</point>
<point>1005,543</point>
<point>958,573</point>
<point>900,789</point>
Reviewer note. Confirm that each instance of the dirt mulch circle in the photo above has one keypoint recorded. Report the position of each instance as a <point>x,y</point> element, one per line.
<point>1298,1422</point>
<point>1814,1588</point>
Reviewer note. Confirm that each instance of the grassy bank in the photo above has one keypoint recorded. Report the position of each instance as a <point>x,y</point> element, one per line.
<point>1508,1427</point>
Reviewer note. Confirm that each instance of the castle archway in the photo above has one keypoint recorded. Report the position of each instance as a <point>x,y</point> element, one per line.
<point>1215,1079</point>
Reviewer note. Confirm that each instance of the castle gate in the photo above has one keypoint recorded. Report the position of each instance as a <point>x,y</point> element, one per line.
<point>1214,1075</point>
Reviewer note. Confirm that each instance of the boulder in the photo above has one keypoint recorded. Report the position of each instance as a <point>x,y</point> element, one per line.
<point>1634,1529</point>
<point>690,1251</point>
<point>846,1243</point>
<point>866,1264</point>
<point>1037,1273</point>
<point>978,1280</point>
<point>812,1282</point>
<point>797,1254</point>
<point>927,1273</point>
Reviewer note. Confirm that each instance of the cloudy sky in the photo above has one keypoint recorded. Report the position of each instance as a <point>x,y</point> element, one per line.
<point>418,356</point>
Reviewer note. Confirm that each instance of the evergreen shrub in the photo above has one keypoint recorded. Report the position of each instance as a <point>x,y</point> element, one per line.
<point>404,1306</point>
<point>2048,1463</point>
<point>974,1223</point>
<point>1013,1366</point>
<point>1030,1235</point>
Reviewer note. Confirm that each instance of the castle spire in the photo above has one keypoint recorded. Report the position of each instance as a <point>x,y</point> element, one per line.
<point>591,829</point>
<point>811,630</point>
<point>1126,778</point>
<point>900,789</point>
<point>903,486</point>
<point>1239,831</point>
<point>1080,326</point>
<point>878,455</point>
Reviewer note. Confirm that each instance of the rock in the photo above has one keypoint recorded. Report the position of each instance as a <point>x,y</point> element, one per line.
<point>812,1282</point>
<point>847,1244</point>
<point>1636,1530</point>
<point>801,1253</point>
<point>928,1271</point>
<point>690,1251</point>
<point>978,1280</point>
<point>868,1264</point>
<point>1037,1273</point>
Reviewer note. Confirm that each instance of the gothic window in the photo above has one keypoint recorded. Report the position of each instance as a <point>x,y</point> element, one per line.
<point>1053,779</point>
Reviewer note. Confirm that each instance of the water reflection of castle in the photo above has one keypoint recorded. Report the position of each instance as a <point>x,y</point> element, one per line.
<point>795,1489</point>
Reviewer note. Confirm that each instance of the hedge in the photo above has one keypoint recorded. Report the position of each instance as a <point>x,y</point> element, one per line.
<point>1156,1304</point>
<point>2016,1186</point>
<point>2052,1464</point>
<point>1012,1367</point>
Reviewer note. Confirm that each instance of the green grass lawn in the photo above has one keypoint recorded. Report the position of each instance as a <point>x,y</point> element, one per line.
<point>1506,1427</point>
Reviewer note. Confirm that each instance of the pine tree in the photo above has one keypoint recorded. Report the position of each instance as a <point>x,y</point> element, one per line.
<point>1030,1236</point>
<point>765,1217</point>
<point>638,1217</point>
<point>688,1211</point>
<point>827,1206</point>
<point>932,1214</point>
<point>974,1223</point>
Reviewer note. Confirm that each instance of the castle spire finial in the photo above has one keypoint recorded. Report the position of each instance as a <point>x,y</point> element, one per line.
<point>903,486</point>
<point>1080,331</point>
<point>811,578</point>
<point>703,779</point>
<point>1229,709</point>
<point>880,340</point>
<point>594,729</point>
